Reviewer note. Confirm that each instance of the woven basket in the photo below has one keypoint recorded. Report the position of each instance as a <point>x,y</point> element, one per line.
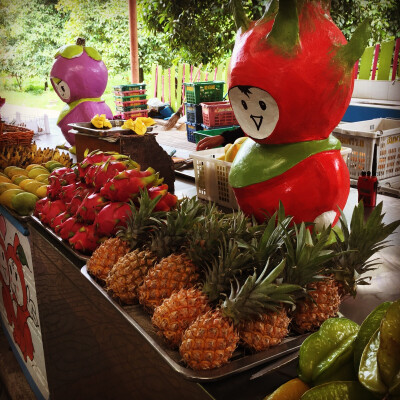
<point>15,135</point>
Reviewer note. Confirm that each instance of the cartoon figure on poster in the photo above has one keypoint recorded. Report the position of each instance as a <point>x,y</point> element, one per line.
<point>5,276</point>
<point>17,305</point>
<point>79,77</point>
<point>290,83</point>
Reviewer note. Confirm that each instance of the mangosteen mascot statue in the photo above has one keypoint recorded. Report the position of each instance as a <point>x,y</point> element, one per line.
<point>79,77</point>
<point>290,83</point>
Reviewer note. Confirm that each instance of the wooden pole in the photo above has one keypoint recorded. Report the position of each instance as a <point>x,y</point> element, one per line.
<point>133,38</point>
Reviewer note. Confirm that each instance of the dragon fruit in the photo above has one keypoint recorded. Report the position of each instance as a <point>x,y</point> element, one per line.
<point>127,184</point>
<point>85,239</point>
<point>90,207</point>
<point>69,227</point>
<point>57,221</point>
<point>51,210</point>
<point>112,217</point>
<point>68,192</point>
<point>167,200</point>
<point>39,206</point>
<point>98,175</point>
<point>99,157</point>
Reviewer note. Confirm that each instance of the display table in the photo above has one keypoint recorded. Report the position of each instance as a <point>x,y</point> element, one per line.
<point>93,349</point>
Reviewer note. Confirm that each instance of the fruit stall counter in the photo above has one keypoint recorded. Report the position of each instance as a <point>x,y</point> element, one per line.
<point>91,347</point>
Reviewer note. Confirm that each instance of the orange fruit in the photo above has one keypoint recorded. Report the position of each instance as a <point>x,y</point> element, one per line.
<point>291,390</point>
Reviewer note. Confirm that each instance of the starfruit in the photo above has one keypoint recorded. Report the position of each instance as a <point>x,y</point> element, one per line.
<point>388,355</point>
<point>324,352</point>
<point>101,122</point>
<point>370,324</point>
<point>343,390</point>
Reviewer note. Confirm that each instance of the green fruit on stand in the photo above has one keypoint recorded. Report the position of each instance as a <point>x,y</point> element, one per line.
<point>324,352</point>
<point>7,197</point>
<point>13,170</point>
<point>24,203</point>
<point>369,326</point>
<point>338,390</point>
<point>368,373</point>
<point>388,355</point>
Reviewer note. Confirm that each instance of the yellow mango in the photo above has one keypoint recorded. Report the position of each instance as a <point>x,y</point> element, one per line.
<point>44,178</point>
<point>18,178</point>
<point>6,185</point>
<point>41,191</point>
<point>34,172</point>
<point>32,187</point>
<point>7,196</point>
<point>29,167</point>
<point>26,182</point>
<point>5,179</point>
<point>11,171</point>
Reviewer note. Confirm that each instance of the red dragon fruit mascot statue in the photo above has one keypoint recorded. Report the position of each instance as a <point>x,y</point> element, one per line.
<point>290,82</point>
<point>79,77</point>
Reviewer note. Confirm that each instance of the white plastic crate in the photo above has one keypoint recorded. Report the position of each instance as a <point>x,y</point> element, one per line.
<point>212,176</point>
<point>362,137</point>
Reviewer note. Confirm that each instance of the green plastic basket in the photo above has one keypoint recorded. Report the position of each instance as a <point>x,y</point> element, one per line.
<point>212,132</point>
<point>132,86</point>
<point>197,92</point>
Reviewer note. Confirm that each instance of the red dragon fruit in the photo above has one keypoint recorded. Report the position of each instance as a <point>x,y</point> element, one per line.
<point>85,239</point>
<point>104,172</point>
<point>167,201</point>
<point>90,207</point>
<point>39,206</point>
<point>51,210</point>
<point>127,184</point>
<point>69,227</point>
<point>68,192</point>
<point>57,221</point>
<point>112,217</point>
<point>99,157</point>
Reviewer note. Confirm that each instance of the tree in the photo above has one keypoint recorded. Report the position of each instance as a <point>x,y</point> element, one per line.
<point>28,37</point>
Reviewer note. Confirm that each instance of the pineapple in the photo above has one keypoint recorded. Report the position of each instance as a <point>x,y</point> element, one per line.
<point>253,313</point>
<point>127,275</point>
<point>357,245</point>
<point>105,256</point>
<point>176,312</point>
<point>307,257</point>
<point>175,270</point>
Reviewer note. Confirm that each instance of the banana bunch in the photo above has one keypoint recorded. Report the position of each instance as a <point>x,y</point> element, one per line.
<point>231,149</point>
<point>23,156</point>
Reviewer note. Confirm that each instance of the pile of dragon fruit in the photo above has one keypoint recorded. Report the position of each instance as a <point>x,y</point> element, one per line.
<point>92,200</point>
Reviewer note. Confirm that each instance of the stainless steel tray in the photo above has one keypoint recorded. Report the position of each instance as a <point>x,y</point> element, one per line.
<point>241,361</point>
<point>116,130</point>
<point>64,243</point>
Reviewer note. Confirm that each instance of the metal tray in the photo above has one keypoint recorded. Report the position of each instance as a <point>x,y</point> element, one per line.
<point>64,243</point>
<point>241,361</point>
<point>116,130</point>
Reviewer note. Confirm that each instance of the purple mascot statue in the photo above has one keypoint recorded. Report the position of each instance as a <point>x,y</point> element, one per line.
<point>79,77</point>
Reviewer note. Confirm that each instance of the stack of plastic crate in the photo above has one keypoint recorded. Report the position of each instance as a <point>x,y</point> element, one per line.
<point>196,93</point>
<point>131,101</point>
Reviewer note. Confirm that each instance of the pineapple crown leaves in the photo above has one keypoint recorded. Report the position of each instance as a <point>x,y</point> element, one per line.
<point>142,221</point>
<point>271,239</point>
<point>362,240</point>
<point>258,294</point>
<point>228,265</point>
<point>171,236</point>
<point>306,254</point>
